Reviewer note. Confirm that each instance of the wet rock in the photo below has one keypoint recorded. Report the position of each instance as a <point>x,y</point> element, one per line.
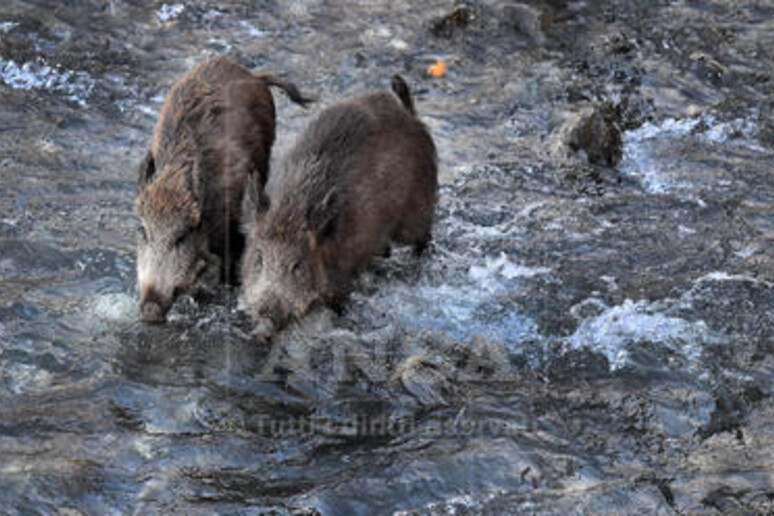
<point>531,21</point>
<point>728,416</point>
<point>766,122</point>
<point>591,307</point>
<point>620,44</point>
<point>486,360</point>
<point>634,110</point>
<point>705,485</point>
<point>424,381</point>
<point>595,133</point>
<point>459,17</point>
<point>727,501</point>
<point>709,68</point>
<point>578,365</point>
<point>714,298</point>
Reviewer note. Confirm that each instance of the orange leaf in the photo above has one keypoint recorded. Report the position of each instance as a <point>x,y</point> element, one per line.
<point>438,69</point>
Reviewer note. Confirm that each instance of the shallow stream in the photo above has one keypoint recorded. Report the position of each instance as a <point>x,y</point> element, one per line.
<point>592,332</point>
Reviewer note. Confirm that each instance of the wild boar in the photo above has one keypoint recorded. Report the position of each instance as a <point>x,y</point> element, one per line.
<point>216,129</point>
<point>362,175</point>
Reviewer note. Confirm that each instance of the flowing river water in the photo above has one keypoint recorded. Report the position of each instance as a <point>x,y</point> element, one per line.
<point>592,332</point>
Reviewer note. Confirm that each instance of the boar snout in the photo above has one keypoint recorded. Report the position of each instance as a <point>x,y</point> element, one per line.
<point>273,311</point>
<point>270,315</point>
<point>263,331</point>
<point>153,307</point>
<point>152,313</point>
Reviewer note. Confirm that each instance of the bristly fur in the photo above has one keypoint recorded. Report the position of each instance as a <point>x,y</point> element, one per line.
<point>363,174</point>
<point>340,140</point>
<point>215,130</point>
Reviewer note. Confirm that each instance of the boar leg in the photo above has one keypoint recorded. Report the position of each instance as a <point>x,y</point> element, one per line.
<point>416,231</point>
<point>422,245</point>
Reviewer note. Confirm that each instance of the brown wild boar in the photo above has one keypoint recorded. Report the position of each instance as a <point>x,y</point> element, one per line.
<point>362,175</point>
<point>215,130</point>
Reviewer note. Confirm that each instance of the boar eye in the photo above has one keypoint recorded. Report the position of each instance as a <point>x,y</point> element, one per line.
<point>258,260</point>
<point>297,269</point>
<point>141,233</point>
<point>182,237</point>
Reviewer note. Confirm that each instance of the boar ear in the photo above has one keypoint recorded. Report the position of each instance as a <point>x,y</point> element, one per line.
<point>146,170</point>
<point>322,217</point>
<point>254,204</point>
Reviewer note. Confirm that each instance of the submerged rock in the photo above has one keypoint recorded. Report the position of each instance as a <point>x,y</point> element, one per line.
<point>501,19</point>
<point>424,381</point>
<point>596,133</point>
<point>459,17</point>
<point>529,20</point>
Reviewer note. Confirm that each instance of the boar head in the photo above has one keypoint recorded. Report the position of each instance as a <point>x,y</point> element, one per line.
<point>283,270</point>
<point>173,252</point>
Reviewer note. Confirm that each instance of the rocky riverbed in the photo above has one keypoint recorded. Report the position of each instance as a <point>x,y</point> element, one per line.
<point>592,332</point>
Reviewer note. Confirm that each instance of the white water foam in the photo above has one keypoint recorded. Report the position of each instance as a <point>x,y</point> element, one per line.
<point>6,27</point>
<point>252,30</point>
<point>640,160</point>
<point>502,266</point>
<point>20,378</point>
<point>40,76</point>
<point>115,307</point>
<point>741,132</point>
<point>613,331</point>
<point>646,153</point>
<point>458,504</point>
<point>725,276</point>
<point>478,306</point>
<point>169,12</point>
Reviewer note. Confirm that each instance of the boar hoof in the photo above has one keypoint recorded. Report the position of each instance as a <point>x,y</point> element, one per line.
<point>423,247</point>
<point>152,313</point>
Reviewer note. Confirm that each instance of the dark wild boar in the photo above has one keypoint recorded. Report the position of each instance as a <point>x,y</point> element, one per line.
<point>362,175</point>
<point>215,130</point>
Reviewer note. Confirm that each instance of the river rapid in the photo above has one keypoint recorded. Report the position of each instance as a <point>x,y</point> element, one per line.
<point>591,333</point>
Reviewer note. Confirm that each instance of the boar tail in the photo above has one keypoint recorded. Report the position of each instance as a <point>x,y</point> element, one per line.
<point>401,89</point>
<point>288,87</point>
